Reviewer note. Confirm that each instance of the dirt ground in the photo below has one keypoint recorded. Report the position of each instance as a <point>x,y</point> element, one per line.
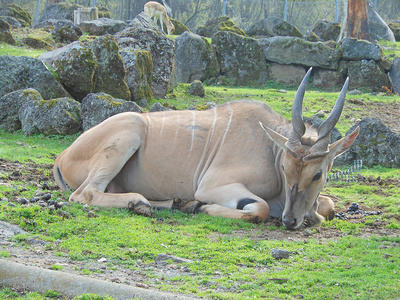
<point>36,253</point>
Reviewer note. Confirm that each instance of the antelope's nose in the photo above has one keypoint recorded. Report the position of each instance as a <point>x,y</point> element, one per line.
<point>289,222</point>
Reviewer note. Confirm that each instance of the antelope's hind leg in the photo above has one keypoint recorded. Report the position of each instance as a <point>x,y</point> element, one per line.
<point>232,201</point>
<point>108,147</point>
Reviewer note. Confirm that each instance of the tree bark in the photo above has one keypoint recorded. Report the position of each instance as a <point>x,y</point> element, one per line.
<point>357,20</point>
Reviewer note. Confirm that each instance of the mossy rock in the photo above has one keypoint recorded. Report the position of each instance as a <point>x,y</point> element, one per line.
<point>221,23</point>
<point>16,11</point>
<point>103,12</point>
<point>36,43</point>
<point>179,27</point>
<point>5,33</point>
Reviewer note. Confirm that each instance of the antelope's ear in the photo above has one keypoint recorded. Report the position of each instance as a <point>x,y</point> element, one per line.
<point>343,144</point>
<point>279,139</point>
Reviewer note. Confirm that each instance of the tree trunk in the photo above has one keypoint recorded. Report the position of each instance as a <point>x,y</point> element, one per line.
<point>357,20</point>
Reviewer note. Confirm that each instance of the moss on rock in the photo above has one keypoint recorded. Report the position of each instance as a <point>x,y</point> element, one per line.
<point>16,11</point>
<point>221,23</point>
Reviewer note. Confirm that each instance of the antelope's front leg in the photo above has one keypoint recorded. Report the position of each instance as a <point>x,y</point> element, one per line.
<point>322,210</point>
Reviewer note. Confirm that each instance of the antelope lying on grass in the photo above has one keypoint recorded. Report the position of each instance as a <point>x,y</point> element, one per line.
<point>159,12</point>
<point>221,159</point>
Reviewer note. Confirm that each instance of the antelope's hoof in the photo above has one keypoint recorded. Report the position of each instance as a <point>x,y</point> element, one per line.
<point>141,209</point>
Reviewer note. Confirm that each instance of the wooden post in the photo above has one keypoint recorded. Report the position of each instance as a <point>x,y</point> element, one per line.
<point>357,20</point>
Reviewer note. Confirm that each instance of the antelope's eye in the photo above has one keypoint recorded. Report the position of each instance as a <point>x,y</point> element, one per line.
<point>317,176</point>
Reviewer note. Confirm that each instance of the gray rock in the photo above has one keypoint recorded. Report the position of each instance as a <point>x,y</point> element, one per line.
<point>5,33</point>
<point>220,23</point>
<point>75,65</point>
<point>394,74</point>
<point>102,26</point>
<point>367,74</point>
<point>158,107</point>
<point>144,21</point>
<point>60,11</point>
<point>195,59</point>
<point>161,48</point>
<point>8,230</point>
<point>196,89</point>
<point>86,67</point>
<point>66,31</point>
<point>376,144</point>
<point>316,122</point>
<point>16,11</point>
<point>98,107</point>
<point>240,58</point>
<point>139,73</point>
<point>21,72</point>
<point>286,74</point>
<point>327,30</point>
<point>354,49</point>
<point>163,258</point>
<point>292,50</point>
<point>327,78</point>
<point>57,116</point>
<point>12,21</point>
<point>272,26</point>
<point>10,105</point>
<point>110,73</point>
<point>280,253</point>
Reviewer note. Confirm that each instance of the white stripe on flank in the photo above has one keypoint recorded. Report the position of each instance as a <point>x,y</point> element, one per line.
<point>177,129</point>
<point>162,124</point>
<point>228,125</point>
<point>193,126</point>
<point>148,120</point>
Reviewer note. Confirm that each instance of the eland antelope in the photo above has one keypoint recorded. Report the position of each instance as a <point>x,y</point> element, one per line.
<point>159,12</point>
<point>220,159</point>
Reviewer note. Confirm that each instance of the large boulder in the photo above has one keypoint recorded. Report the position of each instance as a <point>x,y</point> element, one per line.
<point>286,74</point>
<point>376,144</point>
<point>327,78</point>
<point>5,33</point>
<point>272,26</point>
<point>21,72</point>
<point>98,107</point>
<point>139,73</point>
<point>75,67</point>
<point>240,58</point>
<point>16,11</point>
<point>179,27</point>
<point>49,117</point>
<point>143,34</point>
<point>60,11</point>
<point>366,74</point>
<point>10,105</point>
<point>110,73</point>
<point>354,49</point>
<point>102,26</point>
<point>66,31</point>
<point>395,27</point>
<point>86,67</point>
<point>395,74</point>
<point>221,23</point>
<point>326,30</point>
<point>291,50</point>
<point>12,21</point>
<point>195,59</point>
<point>36,43</point>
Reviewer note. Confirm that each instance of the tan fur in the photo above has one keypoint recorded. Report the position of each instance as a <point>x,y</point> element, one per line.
<point>159,12</point>
<point>220,159</point>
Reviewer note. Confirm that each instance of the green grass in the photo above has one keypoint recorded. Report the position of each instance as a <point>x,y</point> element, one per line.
<point>38,148</point>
